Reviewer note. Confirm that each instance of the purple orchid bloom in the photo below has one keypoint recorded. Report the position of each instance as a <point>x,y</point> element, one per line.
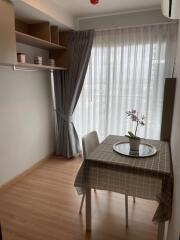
<point>133,114</point>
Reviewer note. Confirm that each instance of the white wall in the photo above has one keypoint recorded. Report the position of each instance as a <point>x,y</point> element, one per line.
<point>174,227</point>
<point>26,122</point>
<point>122,20</point>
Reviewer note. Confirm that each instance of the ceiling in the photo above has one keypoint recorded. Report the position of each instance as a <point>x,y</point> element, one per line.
<point>31,11</point>
<point>83,8</point>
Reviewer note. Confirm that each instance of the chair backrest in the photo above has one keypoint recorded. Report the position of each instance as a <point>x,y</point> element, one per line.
<point>89,143</point>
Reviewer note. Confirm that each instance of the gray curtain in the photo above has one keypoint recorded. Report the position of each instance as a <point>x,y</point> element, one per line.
<point>67,88</point>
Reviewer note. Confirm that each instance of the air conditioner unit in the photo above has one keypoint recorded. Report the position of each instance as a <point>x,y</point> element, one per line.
<point>171,8</point>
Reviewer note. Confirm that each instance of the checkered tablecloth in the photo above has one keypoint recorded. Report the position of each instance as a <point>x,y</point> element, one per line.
<point>148,178</point>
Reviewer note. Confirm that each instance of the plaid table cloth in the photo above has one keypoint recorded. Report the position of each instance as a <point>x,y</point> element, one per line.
<point>149,178</point>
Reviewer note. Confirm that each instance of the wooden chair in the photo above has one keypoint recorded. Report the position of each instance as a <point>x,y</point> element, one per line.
<point>89,143</point>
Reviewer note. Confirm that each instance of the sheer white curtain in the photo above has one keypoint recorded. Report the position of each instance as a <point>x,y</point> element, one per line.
<point>126,71</point>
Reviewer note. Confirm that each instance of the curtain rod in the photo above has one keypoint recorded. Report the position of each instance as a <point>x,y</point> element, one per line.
<point>135,26</point>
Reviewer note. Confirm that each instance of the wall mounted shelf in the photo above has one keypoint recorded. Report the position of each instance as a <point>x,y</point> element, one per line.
<point>38,34</point>
<point>37,42</point>
<point>29,66</point>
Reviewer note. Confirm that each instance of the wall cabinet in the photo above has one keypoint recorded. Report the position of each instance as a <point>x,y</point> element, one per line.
<point>7,36</point>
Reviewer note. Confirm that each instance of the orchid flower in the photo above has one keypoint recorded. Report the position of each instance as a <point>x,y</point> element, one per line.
<point>133,115</point>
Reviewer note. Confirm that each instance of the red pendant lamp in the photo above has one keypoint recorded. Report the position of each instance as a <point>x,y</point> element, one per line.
<point>94,2</point>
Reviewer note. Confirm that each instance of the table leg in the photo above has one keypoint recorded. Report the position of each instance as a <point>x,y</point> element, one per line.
<point>88,209</point>
<point>161,227</point>
<point>0,233</point>
<point>126,209</point>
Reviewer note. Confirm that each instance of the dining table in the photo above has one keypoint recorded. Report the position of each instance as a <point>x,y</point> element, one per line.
<point>149,177</point>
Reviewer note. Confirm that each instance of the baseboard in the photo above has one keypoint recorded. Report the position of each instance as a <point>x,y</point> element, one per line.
<point>20,176</point>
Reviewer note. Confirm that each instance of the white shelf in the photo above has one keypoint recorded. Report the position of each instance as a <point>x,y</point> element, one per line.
<point>37,66</point>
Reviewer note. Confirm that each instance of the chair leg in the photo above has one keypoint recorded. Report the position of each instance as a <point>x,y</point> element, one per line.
<point>82,201</point>
<point>126,209</point>
<point>134,200</point>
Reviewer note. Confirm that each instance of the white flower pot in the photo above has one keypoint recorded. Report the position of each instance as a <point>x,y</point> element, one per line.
<point>134,144</point>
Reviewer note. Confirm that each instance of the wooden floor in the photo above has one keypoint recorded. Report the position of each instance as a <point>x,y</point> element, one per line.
<point>44,206</point>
